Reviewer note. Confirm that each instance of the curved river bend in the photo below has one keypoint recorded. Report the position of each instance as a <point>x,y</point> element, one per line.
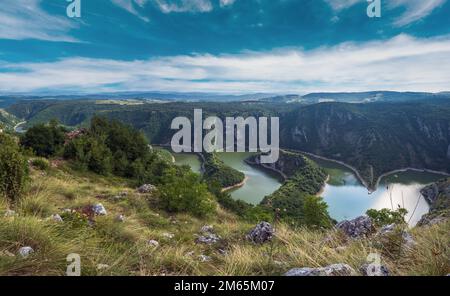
<point>346,197</point>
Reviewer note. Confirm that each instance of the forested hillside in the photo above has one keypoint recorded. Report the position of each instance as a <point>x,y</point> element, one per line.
<point>374,138</point>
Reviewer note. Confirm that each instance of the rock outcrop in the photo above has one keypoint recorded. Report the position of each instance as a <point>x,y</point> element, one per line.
<point>374,270</point>
<point>359,227</point>
<point>208,236</point>
<point>438,197</point>
<point>146,188</point>
<point>263,232</point>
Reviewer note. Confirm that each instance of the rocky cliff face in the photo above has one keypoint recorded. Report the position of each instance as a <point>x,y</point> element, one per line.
<point>373,138</point>
<point>438,197</point>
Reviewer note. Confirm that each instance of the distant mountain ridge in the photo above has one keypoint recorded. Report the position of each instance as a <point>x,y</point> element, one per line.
<point>311,98</point>
<point>356,97</point>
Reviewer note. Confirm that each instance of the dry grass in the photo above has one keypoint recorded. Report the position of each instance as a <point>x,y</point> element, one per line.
<point>123,249</point>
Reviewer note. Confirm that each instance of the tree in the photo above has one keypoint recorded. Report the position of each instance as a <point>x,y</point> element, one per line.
<point>315,213</point>
<point>13,169</point>
<point>44,140</point>
<point>386,216</point>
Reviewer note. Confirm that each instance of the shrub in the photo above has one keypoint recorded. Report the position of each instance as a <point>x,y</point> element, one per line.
<point>385,216</point>
<point>184,192</point>
<point>44,140</point>
<point>89,153</point>
<point>13,169</point>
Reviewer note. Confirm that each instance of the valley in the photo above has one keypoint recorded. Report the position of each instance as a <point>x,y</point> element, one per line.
<point>131,208</point>
<point>346,197</point>
<point>373,138</point>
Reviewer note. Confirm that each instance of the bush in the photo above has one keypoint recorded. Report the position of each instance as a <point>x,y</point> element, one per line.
<point>184,192</point>
<point>385,216</point>
<point>44,140</point>
<point>89,153</point>
<point>40,163</point>
<point>13,169</point>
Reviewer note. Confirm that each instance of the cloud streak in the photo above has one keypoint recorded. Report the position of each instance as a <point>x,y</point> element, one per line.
<point>132,7</point>
<point>25,19</point>
<point>414,10</point>
<point>402,63</point>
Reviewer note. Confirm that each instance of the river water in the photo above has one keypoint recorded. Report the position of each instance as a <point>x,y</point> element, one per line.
<point>346,197</point>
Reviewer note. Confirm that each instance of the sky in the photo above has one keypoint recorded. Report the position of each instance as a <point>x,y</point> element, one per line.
<point>224,46</point>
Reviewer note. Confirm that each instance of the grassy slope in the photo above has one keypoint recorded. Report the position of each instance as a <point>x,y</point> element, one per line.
<point>123,247</point>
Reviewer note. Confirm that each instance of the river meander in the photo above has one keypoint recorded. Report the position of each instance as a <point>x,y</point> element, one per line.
<point>346,197</point>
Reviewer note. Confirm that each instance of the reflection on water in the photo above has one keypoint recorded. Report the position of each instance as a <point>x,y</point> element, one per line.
<point>346,197</point>
<point>259,183</point>
<point>188,159</point>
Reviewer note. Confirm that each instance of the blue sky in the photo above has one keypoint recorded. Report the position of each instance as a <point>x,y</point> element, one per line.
<point>224,46</point>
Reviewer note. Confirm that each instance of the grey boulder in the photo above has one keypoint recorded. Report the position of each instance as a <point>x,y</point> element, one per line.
<point>146,188</point>
<point>374,270</point>
<point>359,227</point>
<point>25,251</point>
<point>99,210</point>
<point>263,232</point>
<point>208,239</point>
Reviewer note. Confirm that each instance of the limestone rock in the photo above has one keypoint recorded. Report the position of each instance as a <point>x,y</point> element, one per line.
<point>56,218</point>
<point>102,266</point>
<point>153,243</point>
<point>208,239</point>
<point>374,270</point>
<point>204,258</point>
<point>359,227</point>
<point>26,251</point>
<point>168,235</point>
<point>263,232</point>
<point>99,210</point>
<point>146,188</point>
<point>207,229</point>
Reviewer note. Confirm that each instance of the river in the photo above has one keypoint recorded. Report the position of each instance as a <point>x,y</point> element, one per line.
<point>346,197</point>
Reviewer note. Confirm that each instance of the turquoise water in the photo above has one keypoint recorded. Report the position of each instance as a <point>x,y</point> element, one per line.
<point>259,183</point>
<point>190,159</point>
<point>346,197</point>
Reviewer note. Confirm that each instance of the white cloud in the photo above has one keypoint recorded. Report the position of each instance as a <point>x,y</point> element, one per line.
<point>130,6</point>
<point>402,63</point>
<point>338,5</point>
<point>168,6</point>
<point>25,19</point>
<point>224,3</point>
<point>414,10</point>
